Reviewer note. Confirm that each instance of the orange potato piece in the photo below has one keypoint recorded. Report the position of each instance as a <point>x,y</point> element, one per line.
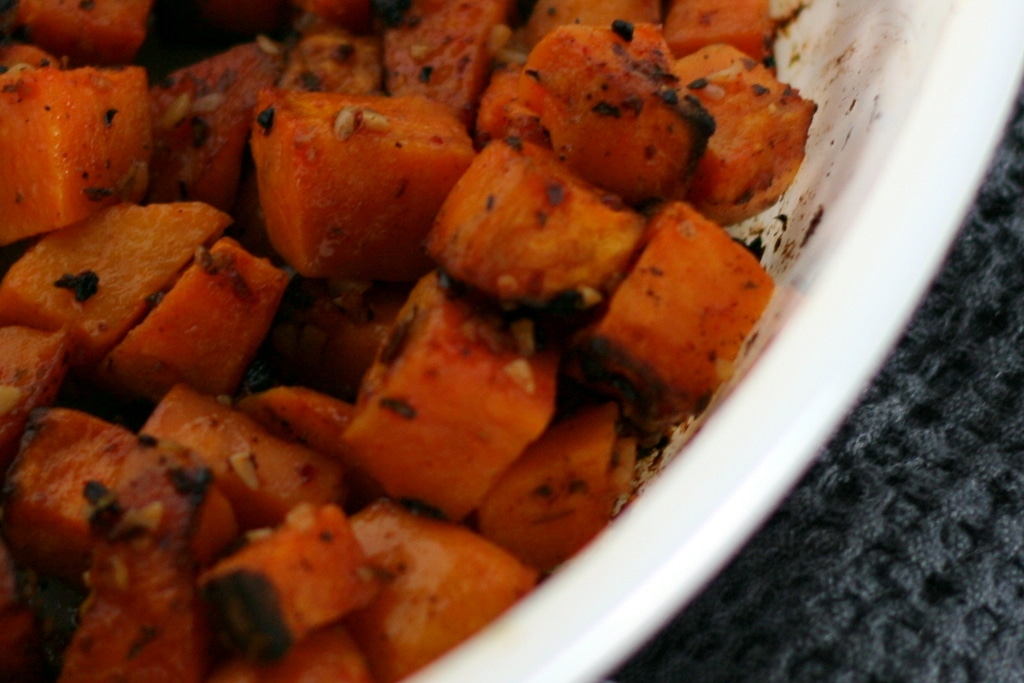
<point>144,619</point>
<point>555,498</point>
<point>613,111</point>
<point>745,24</point>
<point>501,115</point>
<point>677,322</point>
<point>44,523</point>
<point>328,332</point>
<point>94,32</point>
<point>520,226</point>
<point>263,476</point>
<point>761,136</point>
<point>65,452</point>
<point>444,583</point>
<point>350,184</point>
<point>13,54</point>
<point>331,59</point>
<point>73,142</point>
<point>307,573</point>
<point>442,50</point>
<point>316,420</point>
<point>202,116</point>
<point>549,14</point>
<point>448,453</point>
<point>32,369</point>
<point>95,277</point>
<point>204,332</point>
<point>325,656</point>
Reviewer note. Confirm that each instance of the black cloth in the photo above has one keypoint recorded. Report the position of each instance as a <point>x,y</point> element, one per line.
<point>900,555</point>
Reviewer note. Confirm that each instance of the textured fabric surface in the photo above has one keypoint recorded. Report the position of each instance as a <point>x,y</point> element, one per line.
<point>900,555</point>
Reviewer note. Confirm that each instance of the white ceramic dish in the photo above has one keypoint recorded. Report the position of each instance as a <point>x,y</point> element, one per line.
<point>912,97</point>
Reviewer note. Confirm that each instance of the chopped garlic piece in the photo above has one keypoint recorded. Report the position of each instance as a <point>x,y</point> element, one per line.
<point>244,465</point>
<point>10,397</point>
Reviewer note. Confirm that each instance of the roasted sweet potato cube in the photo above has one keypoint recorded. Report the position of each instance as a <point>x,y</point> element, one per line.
<point>331,59</point>
<point>73,141</point>
<point>316,420</point>
<point>676,324</point>
<point>95,32</point>
<point>613,110</point>
<point>263,476</point>
<point>522,227</point>
<point>549,14</point>
<point>306,574</point>
<point>44,523</point>
<point>328,655</point>
<point>352,15</point>
<point>350,184</point>
<point>202,115</point>
<point>762,128</point>
<point>95,277</point>
<point>13,54</point>
<point>301,414</point>
<point>21,655</point>
<point>443,584</point>
<point>204,332</point>
<point>442,50</point>
<point>327,333</point>
<point>449,404</point>
<point>501,115</point>
<point>562,491</point>
<point>32,370</point>
<point>68,456</point>
<point>144,619</point>
<point>745,24</point>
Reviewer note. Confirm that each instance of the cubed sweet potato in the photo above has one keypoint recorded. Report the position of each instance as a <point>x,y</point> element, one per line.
<point>73,141</point>
<point>66,455</point>
<point>501,115</point>
<point>761,133</point>
<point>93,32</point>
<point>327,332</point>
<point>204,332</point>
<point>522,227</point>
<point>95,277</point>
<point>318,421</point>
<point>350,184</point>
<point>44,501</point>
<point>609,101</point>
<point>331,59</point>
<point>443,584</point>
<point>202,116</point>
<point>32,369</point>
<point>449,404</point>
<point>678,321</point>
<point>328,655</point>
<point>13,54</point>
<point>442,50</point>
<point>548,14</point>
<point>263,476</point>
<point>306,574</point>
<point>144,619</point>
<point>745,24</point>
<point>563,490</point>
